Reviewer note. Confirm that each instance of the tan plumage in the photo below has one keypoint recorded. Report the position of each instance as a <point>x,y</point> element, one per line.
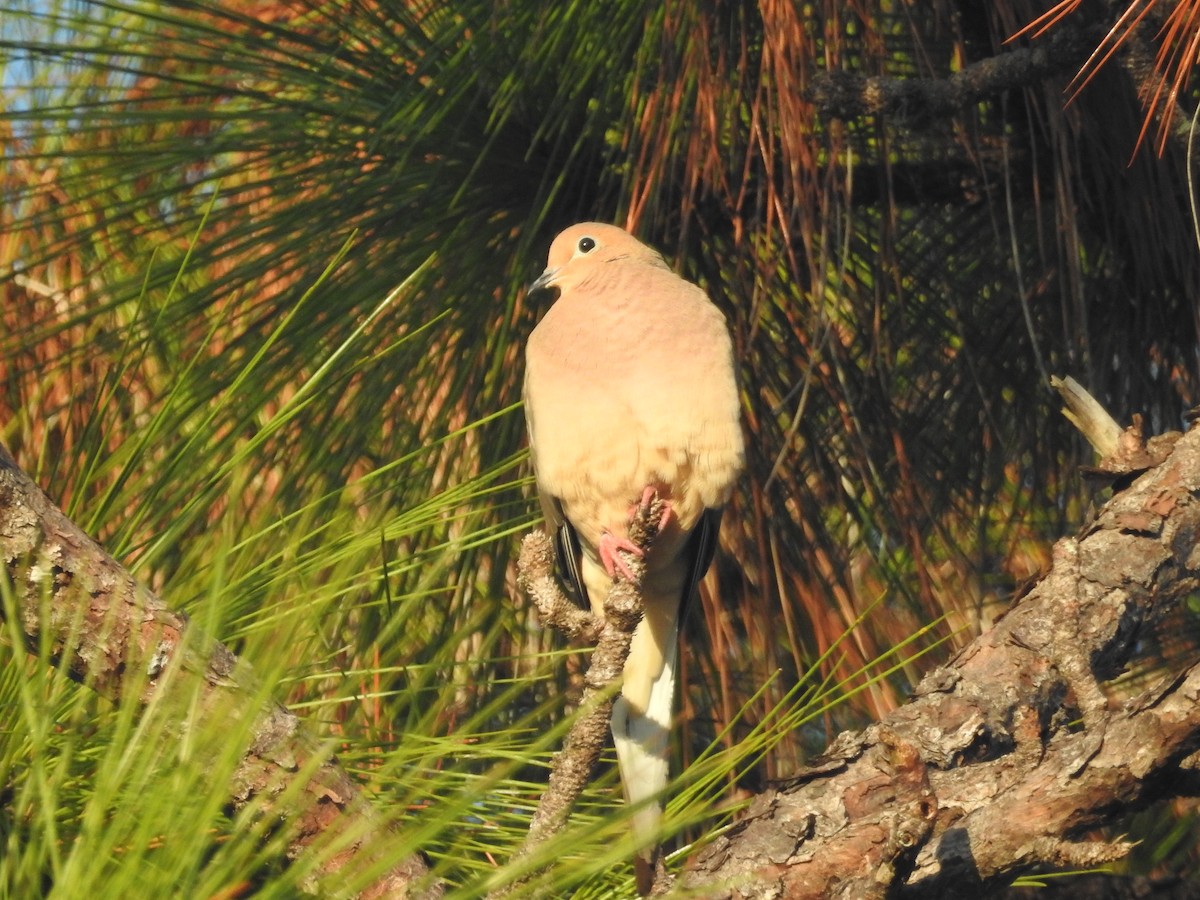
<point>629,385</point>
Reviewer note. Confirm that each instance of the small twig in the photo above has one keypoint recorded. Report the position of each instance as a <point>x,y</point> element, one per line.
<point>1123,452</point>
<point>1085,413</point>
<point>573,765</point>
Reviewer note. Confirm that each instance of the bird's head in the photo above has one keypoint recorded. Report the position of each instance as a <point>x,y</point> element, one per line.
<point>578,253</point>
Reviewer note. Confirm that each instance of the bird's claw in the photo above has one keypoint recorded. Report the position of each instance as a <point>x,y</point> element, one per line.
<point>613,563</point>
<point>646,507</point>
<point>648,518</point>
<point>643,529</point>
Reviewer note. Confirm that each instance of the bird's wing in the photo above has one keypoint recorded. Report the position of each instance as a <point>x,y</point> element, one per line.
<point>568,553</point>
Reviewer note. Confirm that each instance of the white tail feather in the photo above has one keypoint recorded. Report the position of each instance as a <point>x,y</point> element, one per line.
<point>643,750</point>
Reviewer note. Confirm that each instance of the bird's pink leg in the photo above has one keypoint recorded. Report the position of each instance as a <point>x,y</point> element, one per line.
<point>609,545</point>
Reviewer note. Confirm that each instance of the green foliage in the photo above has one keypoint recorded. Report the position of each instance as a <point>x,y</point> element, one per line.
<point>260,330</point>
<point>401,657</point>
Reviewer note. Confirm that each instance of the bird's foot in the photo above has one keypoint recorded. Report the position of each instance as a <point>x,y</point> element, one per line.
<point>647,519</point>
<point>613,562</point>
<point>650,506</point>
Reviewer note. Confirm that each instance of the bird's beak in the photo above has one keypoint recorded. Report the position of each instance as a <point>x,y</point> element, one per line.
<point>542,282</point>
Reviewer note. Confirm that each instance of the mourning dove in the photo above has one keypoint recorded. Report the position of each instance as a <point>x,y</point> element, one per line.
<point>630,392</point>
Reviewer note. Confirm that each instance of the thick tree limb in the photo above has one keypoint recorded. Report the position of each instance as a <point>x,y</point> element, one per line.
<point>1010,752</point>
<point>111,632</point>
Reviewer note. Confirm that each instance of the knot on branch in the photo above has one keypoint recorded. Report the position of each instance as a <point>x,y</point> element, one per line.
<point>535,576</point>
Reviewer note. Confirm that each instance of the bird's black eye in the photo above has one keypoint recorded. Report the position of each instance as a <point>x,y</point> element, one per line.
<point>586,245</point>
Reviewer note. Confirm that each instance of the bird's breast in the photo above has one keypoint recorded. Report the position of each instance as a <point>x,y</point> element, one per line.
<point>632,386</point>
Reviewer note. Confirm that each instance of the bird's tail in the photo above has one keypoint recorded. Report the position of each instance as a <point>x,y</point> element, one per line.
<point>643,749</point>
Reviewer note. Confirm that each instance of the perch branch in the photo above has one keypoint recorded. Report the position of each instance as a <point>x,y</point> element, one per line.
<point>573,765</point>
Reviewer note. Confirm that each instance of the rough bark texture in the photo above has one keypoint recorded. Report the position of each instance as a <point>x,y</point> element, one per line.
<point>1010,752</point>
<point>110,632</point>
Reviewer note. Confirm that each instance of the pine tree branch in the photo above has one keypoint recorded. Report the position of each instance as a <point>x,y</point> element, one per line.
<point>848,95</point>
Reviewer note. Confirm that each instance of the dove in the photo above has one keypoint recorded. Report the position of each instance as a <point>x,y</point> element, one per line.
<point>630,393</point>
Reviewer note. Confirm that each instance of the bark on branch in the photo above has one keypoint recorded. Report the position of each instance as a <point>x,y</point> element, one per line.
<point>110,632</point>
<point>1011,752</point>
